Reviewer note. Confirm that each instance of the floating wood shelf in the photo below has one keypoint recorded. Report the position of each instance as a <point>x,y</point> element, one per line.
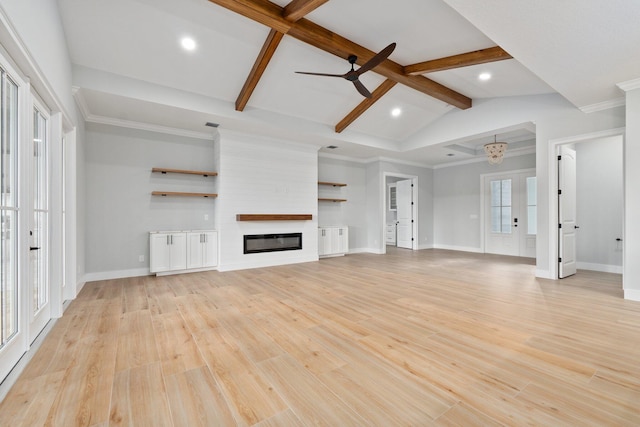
<point>333,184</point>
<point>321,199</point>
<point>181,193</point>
<point>273,217</point>
<point>188,172</point>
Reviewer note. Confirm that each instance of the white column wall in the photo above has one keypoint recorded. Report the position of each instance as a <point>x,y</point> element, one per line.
<point>631,268</point>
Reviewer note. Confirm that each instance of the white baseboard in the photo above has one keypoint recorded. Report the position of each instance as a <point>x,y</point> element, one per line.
<point>632,294</point>
<point>359,250</point>
<point>366,251</point>
<point>191,270</point>
<point>266,263</point>
<point>606,268</point>
<point>118,274</point>
<point>79,286</point>
<point>425,246</point>
<point>544,274</point>
<point>458,248</point>
<point>13,376</point>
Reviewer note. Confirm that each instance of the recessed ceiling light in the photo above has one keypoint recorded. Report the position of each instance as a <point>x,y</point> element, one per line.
<point>396,112</point>
<point>450,154</point>
<point>484,76</point>
<point>332,147</point>
<point>188,43</point>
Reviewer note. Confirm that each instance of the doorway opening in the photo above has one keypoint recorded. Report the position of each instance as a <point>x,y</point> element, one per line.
<point>595,242</point>
<point>399,211</point>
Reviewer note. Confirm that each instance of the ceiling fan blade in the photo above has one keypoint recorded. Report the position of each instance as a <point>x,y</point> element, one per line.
<point>377,59</point>
<point>320,74</point>
<point>363,90</point>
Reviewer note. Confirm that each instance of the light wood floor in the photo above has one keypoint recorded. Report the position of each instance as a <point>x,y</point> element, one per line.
<point>411,338</point>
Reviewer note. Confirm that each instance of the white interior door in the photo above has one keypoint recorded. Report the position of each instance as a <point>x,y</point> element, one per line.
<point>528,208</point>
<point>404,199</point>
<point>510,214</point>
<point>567,212</point>
<point>39,291</point>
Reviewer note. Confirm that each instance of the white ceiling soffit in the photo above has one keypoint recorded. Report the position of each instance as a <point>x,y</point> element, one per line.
<point>581,48</point>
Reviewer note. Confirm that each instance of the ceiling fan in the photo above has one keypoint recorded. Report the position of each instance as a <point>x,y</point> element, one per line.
<point>353,75</point>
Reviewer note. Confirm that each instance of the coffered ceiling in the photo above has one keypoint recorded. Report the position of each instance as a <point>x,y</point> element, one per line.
<point>139,41</point>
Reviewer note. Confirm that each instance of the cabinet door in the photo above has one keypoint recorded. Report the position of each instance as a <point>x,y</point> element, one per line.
<point>342,243</point>
<point>324,241</point>
<point>159,253</point>
<point>210,249</point>
<point>178,248</point>
<point>194,250</point>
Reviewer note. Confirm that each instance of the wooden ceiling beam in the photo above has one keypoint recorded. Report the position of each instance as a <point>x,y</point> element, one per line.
<point>476,57</point>
<point>365,105</point>
<point>299,8</point>
<point>266,53</point>
<point>262,11</point>
<point>271,15</point>
<point>292,12</point>
<point>315,35</point>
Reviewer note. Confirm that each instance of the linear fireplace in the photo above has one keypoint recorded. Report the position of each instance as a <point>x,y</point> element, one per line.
<point>255,243</point>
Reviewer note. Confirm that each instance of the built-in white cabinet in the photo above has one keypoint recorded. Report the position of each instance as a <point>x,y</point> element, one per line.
<point>333,241</point>
<point>202,249</point>
<point>392,202</point>
<point>391,234</point>
<point>173,252</point>
<point>168,251</point>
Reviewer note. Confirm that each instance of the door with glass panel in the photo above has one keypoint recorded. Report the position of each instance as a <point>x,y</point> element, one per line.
<point>11,314</point>
<point>510,214</point>
<point>39,292</point>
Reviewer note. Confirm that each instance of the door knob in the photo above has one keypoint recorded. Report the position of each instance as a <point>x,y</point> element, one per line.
<point>576,226</point>
<point>34,248</point>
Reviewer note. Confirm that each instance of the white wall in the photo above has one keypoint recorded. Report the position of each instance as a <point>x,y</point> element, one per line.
<point>39,26</point>
<point>80,201</point>
<point>119,208</point>
<point>631,276</point>
<point>599,204</point>
<point>552,128</point>
<point>351,212</point>
<point>262,176</point>
<point>457,201</point>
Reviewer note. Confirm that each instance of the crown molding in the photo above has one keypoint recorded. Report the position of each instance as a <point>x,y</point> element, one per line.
<point>94,118</point>
<point>483,158</point>
<point>605,105</point>
<point>629,85</point>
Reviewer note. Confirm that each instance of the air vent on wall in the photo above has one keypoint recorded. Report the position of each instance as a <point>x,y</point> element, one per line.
<point>211,124</point>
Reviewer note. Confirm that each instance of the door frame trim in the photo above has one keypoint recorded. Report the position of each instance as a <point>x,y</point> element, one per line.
<point>552,161</point>
<point>483,181</point>
<point>383,211</point>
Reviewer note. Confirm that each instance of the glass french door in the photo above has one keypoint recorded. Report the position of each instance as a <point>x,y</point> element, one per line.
<point>25,216</point>
<point>11,325</point>
<point>39,291</point>
<point>511,214</point>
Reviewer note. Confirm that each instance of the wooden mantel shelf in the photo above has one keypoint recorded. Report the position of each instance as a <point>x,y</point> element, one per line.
<point>180,193</point>
<point>334,184</point>
<point>273,217</point>
<point>189,172</point>
<point>323,199</point>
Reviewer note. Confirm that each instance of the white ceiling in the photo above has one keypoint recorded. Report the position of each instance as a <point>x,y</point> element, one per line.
<point>567,46</point>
